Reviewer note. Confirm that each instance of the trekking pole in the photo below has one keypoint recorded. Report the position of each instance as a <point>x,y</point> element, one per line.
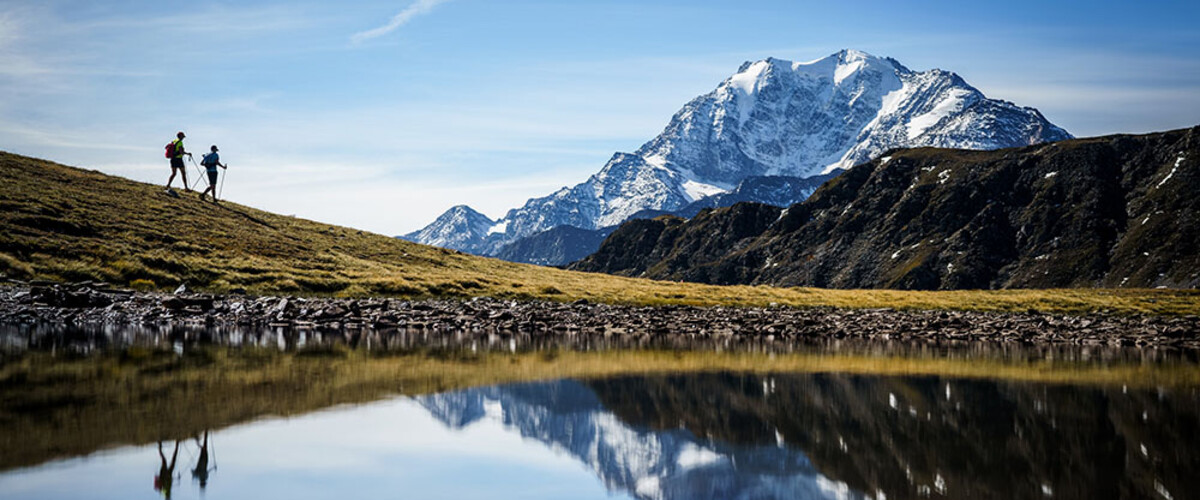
<point>221,189</point>
<point>200,171</point>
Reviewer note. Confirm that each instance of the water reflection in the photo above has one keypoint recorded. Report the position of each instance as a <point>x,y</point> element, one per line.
<point>689,436</point>
<point>665,436</point>
<point>824,436</point>
<point>201,471</point>
<point>166,473</point>
<point>164,480</point>
<point>87,339</point>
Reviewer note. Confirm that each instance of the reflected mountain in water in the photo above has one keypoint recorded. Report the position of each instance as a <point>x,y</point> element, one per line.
<point>652,464</point>
<point>836,435</point>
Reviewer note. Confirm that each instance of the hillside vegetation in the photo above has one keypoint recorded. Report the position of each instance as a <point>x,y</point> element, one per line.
<point>67,224</point>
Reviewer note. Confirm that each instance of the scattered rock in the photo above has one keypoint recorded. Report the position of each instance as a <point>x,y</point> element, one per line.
<point>82,304</point>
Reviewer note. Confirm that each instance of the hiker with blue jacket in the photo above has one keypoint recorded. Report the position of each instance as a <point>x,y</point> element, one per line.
<point>175,152</point>
<point>210,162</point>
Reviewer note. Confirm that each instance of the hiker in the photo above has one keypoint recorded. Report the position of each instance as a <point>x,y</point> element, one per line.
<point>175,152</point>
<point>211,161</point>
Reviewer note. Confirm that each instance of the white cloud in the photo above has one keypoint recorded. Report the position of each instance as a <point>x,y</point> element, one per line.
<point>417,8</point>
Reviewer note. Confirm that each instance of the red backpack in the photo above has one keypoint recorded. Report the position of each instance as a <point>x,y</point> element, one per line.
<point>170,149</point>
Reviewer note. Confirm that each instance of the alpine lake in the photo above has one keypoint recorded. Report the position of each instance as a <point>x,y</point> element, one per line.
<point>193,412</point>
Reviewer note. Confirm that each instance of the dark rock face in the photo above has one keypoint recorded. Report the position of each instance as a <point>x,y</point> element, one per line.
<point>1112,211</point>
<point>566,244</point>
<point>777,190</point>
<point>561,245</point>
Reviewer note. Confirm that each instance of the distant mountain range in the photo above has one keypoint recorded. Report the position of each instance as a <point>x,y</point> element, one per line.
<point>1117,211</point>
<point>773,118</point>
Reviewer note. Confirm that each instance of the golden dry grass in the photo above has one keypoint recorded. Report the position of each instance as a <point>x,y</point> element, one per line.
<point>68,224</point>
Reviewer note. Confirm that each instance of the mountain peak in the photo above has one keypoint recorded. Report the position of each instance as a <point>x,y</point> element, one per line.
<point>775,117</point>
<point>459,225</point>
<point>463,210</point>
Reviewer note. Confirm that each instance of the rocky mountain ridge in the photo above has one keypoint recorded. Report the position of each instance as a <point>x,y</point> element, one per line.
<point>772,118</point>
<point>566,244</point>
<point>1117,211</point>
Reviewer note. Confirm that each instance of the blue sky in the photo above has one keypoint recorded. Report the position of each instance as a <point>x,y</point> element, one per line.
<point>382,114</point>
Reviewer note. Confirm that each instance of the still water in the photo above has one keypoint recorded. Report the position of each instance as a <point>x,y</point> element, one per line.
<point>666,434</point>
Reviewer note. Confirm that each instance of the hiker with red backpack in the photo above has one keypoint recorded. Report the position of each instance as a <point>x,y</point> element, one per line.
<point>175,152</point>
<point>211,161</point>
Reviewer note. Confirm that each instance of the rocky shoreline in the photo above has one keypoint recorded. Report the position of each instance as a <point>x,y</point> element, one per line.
<point>90,303</point>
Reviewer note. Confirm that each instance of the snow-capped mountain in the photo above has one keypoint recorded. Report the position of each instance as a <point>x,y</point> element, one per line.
<point>647,464</point>
<point>459,228</point>
<point>778,118</point>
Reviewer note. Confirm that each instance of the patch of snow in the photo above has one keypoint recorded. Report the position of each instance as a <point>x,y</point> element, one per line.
<point>952,103</point>
<point>943,176</point>
<point>845,71</point>
<point>500,227</point>
<point>696,190</point>
<point>896,253</point>
<point>884,160</point>
<point>747,81</point>
<point>892,401</point>
<point>1172,173</point>
<point>890,104</point>
<point>1051,174</point>
<point>1047,490</point>
<point>746,86</point>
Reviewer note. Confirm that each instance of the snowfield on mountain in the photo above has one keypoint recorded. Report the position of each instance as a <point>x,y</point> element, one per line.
<point>772,118</point>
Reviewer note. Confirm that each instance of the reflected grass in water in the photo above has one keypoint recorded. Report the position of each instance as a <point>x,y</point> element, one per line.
<point>56,406</point>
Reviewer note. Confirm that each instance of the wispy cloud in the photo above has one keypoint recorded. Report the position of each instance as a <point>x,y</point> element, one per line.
<point>416,9</point>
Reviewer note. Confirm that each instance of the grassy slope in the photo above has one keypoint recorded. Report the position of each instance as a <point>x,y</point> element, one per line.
<point>63,223</point>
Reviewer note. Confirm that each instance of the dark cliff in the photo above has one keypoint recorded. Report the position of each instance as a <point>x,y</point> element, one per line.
<point>1101,212</point>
